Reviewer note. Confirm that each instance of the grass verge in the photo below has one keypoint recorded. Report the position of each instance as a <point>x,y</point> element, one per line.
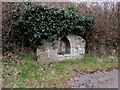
<point>27,73</point>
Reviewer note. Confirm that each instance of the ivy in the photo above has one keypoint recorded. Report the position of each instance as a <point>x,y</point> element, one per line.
<point>40,23</point>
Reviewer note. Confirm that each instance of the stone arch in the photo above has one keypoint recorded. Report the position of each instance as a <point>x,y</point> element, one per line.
<point>64,46</point>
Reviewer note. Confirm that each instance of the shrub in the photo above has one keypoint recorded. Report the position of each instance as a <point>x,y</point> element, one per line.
<point>38,23</point>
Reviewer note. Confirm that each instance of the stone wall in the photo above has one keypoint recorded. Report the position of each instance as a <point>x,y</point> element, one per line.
<point>73,47</point>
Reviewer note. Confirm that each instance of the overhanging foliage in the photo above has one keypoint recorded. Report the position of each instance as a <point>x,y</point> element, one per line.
<point>38,23</point>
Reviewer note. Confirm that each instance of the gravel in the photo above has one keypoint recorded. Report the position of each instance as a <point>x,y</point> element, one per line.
<point>104,79</point>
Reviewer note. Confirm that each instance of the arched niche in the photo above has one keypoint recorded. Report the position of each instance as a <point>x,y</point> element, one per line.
<point>64,46</point>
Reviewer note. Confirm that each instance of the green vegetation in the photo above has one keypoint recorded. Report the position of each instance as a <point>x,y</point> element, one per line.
<point>27,73</point>
<point>37,23</point>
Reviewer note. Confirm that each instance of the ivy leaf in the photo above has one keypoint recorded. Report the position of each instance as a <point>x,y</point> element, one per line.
<point>40,23</point>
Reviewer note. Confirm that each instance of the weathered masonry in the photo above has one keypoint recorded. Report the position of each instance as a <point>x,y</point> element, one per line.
<point>64,48</point>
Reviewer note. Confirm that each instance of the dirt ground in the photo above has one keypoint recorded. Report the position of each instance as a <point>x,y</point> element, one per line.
<point>104,79</point>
